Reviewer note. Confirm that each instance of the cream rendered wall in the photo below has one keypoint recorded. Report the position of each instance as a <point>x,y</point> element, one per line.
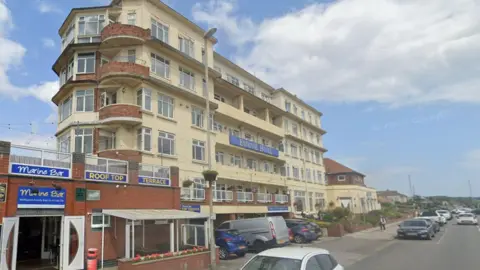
<point>353,191</point>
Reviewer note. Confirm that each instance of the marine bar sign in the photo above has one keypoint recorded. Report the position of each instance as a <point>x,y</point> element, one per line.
<point>105,177</point>
<point>250,145</point>
<point>35,170</point>
<point>41,197</point>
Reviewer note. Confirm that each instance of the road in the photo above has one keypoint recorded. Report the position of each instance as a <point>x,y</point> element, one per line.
<point>455,247</point>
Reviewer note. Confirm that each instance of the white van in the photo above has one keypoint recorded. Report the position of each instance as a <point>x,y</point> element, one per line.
<point>261,233</point>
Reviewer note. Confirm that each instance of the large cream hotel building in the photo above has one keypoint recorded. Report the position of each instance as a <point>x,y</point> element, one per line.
<point>133,88</point>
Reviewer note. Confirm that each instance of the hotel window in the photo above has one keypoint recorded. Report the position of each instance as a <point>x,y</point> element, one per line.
<point>248,136</point>
<point>303,115</point>
<point>266,97</point>
<point>285,124</point>
<point>159,31</point>
<point>266,167</point>
<point>304,134</point>
<point>84,100</point>
<point>236,161</point>
<point>341,178</point>
<point>314,175</point>
<point>234,132</point>
<point>107,140</point>
<point>317,157</point>
<point>90,27</point>
<point>86,63</point>
<point>186,46</point>
<point>108,98</point>
<point>84,140</point>
<point>320,177</point>
<point>295,173</point>
<point>265,142</point>
<point>197,117</point>
<point>198,150</point>
<point>308,175</point>
<point>295,110</point>
<point>247,87</point>
<point>63,143</point>
<point>144,99</point>
<point>233,80</point>
<point>319,200</point>
<point>165,105</point>
<point>299,200</point>
<point>293,150</point>
<point>218,97</point>
<point>313,156</point>
<point>305,151</point>
<point>160,66</point>
<point>302,174</point>
<point>295,129</point>
<point>166,143</point>
<point>287,106</point>
<point>252,164</point>
<point>187,79</point>
<point>132,18</point>
<point>203,55</point>
<point>144,139</point>
<point>283,170</point>
<point>311,137</point>
<point>219,157</point>
<point>65,108</point>
<point>217,126</point>
<point>98,221</point>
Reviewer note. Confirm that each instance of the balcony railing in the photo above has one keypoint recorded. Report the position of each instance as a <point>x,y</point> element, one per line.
<point>192,194</point>
<point>223,196</point>
<point>264,197</point>
<point>40,157</point>
<point>154,171</point>
<point>244,196</point>
<point>105,165</point>
<point>281,198</point>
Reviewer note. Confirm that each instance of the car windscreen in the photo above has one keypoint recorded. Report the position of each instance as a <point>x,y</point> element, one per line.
<point>442,211</point>
<point>414,223</point>
<point>233,232</point>
<point>428,214</point>
<point>273,263</point>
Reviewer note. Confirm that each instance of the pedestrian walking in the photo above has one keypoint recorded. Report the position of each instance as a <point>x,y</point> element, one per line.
<point>383,221</point>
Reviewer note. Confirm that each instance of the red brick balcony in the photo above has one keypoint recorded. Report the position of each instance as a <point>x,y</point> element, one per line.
<point>124,34</point>
<point>124,67</point>
<point>120,113</point>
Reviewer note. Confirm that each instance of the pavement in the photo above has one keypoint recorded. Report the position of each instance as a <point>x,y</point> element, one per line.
<point>348,250</point>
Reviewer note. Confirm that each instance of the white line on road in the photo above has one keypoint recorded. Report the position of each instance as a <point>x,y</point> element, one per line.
<point>443,235</point>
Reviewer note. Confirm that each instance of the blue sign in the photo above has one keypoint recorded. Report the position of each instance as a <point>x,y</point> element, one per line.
<point>34,170</point>
<point>250,145</point>
<point>277,209</point>
<point>154,181</point>
<point>191,208</point>
<point>41,197</point>
<point>105,177</point>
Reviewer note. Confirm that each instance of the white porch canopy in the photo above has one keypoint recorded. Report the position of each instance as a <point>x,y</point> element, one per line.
<point>153,214</point>
<point>135,215</point>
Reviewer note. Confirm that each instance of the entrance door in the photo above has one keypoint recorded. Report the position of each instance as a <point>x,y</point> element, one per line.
<point>9,243</point>
<point>72,243</point>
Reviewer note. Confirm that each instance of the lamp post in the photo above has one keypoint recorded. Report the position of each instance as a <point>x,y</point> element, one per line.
<point>207,36</point>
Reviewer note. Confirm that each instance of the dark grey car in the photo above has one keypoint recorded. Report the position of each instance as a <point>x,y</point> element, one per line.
<point>436,226</point>
<point>416,228</point>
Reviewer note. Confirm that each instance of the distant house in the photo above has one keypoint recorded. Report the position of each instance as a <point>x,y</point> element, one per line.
<point>339,174</point>
<point>391,196</point>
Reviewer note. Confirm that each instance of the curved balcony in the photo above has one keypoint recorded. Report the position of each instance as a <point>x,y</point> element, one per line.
<point>117,34</point>
<point>120,113</point>
<point>124,69</point>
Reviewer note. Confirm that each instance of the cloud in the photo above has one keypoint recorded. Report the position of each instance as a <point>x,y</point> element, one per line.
<point>386,51</point>
<point>47,7</point>
<point>11,56</point>
<point>418,120</point>
<point>353,163</point>
<point>48,43</point>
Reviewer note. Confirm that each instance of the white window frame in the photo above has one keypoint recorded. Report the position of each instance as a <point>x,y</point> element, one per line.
<point>186,45</point>
<point>236,161</point>
<point>64,143</point>
<point>98,18</point>
<point>109,135</point>
<point>288,106</point>
<point>144,99</point>
<point>157,64</point>
<point>157,28</point>
<point>187,79</point>
<point>107,219</point>
<point>198,145</point>
<point>294,150</point>
<point>84,134</point>
<point>165,106</point>
<point>65,108</point>
<point>132,18</point>
<point>81,97</point>
<point>220,157</point>
<point>88,56</point>
<point>341,178</point>
<point>197,117</point>
<point>144,136</point>
<point>164,136</point>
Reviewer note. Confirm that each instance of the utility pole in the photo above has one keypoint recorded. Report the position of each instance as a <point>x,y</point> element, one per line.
<point>470,191</point>
<point>410,186</point>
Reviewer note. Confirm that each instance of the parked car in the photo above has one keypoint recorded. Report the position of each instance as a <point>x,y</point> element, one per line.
<point>303,232</point>
<point>434,216</point>
<point>293,258</point>
<point>467,219</point>
<point>445,213</point>
<point>436,226</point>
<point>416,228</point>
<point>230,242</point>
<point>317,229</point>
<point>260,233</point>
<point>290,235</point>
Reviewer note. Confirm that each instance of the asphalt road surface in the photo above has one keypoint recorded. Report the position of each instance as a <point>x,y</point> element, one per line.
<point>457,247</point>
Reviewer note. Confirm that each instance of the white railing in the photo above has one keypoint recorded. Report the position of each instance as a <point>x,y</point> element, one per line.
<point>264,197</point>
<point>193,235</point>
<point>106,165</point>
<point>244,196</point>
<point>128,59</point>
<point>155,171</point>
<point>281,198</point>
<point>40,157</point>
<point>223,196</point>
<point>192,194</point>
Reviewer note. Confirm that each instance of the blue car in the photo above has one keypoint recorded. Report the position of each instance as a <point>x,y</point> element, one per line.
<point>230,242</point>
<point>302,231</point>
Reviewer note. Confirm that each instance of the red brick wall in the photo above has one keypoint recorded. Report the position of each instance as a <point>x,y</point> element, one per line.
<point>349,180</point>
<point>117,29</point>
<point>120,110</point>
<point>132,155</point>
<point>123,67</point>
<point>194,262</point>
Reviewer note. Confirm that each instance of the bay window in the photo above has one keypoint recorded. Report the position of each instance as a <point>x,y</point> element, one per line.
<point>89,28</point>
<point>63,143</point>
<point>84,140</point>
<point>86,63</point>
<point>84,100</point>
<point>159,31</point>
<point>144,139</point>
<point>65,108</point>
<point>107,140</point>
<point>144,99</point>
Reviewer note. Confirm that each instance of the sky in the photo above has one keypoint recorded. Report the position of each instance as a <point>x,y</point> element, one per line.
<point>397,81</point>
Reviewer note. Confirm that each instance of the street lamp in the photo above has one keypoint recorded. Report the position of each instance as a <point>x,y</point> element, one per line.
<point>207,36</point>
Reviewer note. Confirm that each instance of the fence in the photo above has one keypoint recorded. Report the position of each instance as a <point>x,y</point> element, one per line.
<point>128,59</point>
<point>105,165</point>
<point>264,197</point>
<point>244,196</point>
<point>154,171</point>
<point>192,194</point>
<point>40,157</point>
<point>193,235</point>
<point>223,196</point>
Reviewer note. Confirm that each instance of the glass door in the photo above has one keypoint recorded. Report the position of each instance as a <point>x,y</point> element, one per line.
<point>9,243</point>
<point>72,243</point>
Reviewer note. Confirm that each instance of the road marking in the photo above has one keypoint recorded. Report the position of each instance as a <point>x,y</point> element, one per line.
<point>380,248</point>
<point>443,235</point>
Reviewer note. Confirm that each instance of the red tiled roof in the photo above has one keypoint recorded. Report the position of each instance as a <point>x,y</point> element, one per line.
<point>334,167</point>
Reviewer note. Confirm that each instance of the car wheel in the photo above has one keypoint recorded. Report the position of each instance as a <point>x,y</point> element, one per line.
<point>241,254</point>
<point>223,253</point>
<point>299,239</point>
<point>429,237</point>
<point>259,246</point>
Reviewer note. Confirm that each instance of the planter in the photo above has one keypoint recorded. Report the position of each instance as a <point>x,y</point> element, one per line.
<point>210,176</point>
<point>187,183</point>
<point>193,259</point>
